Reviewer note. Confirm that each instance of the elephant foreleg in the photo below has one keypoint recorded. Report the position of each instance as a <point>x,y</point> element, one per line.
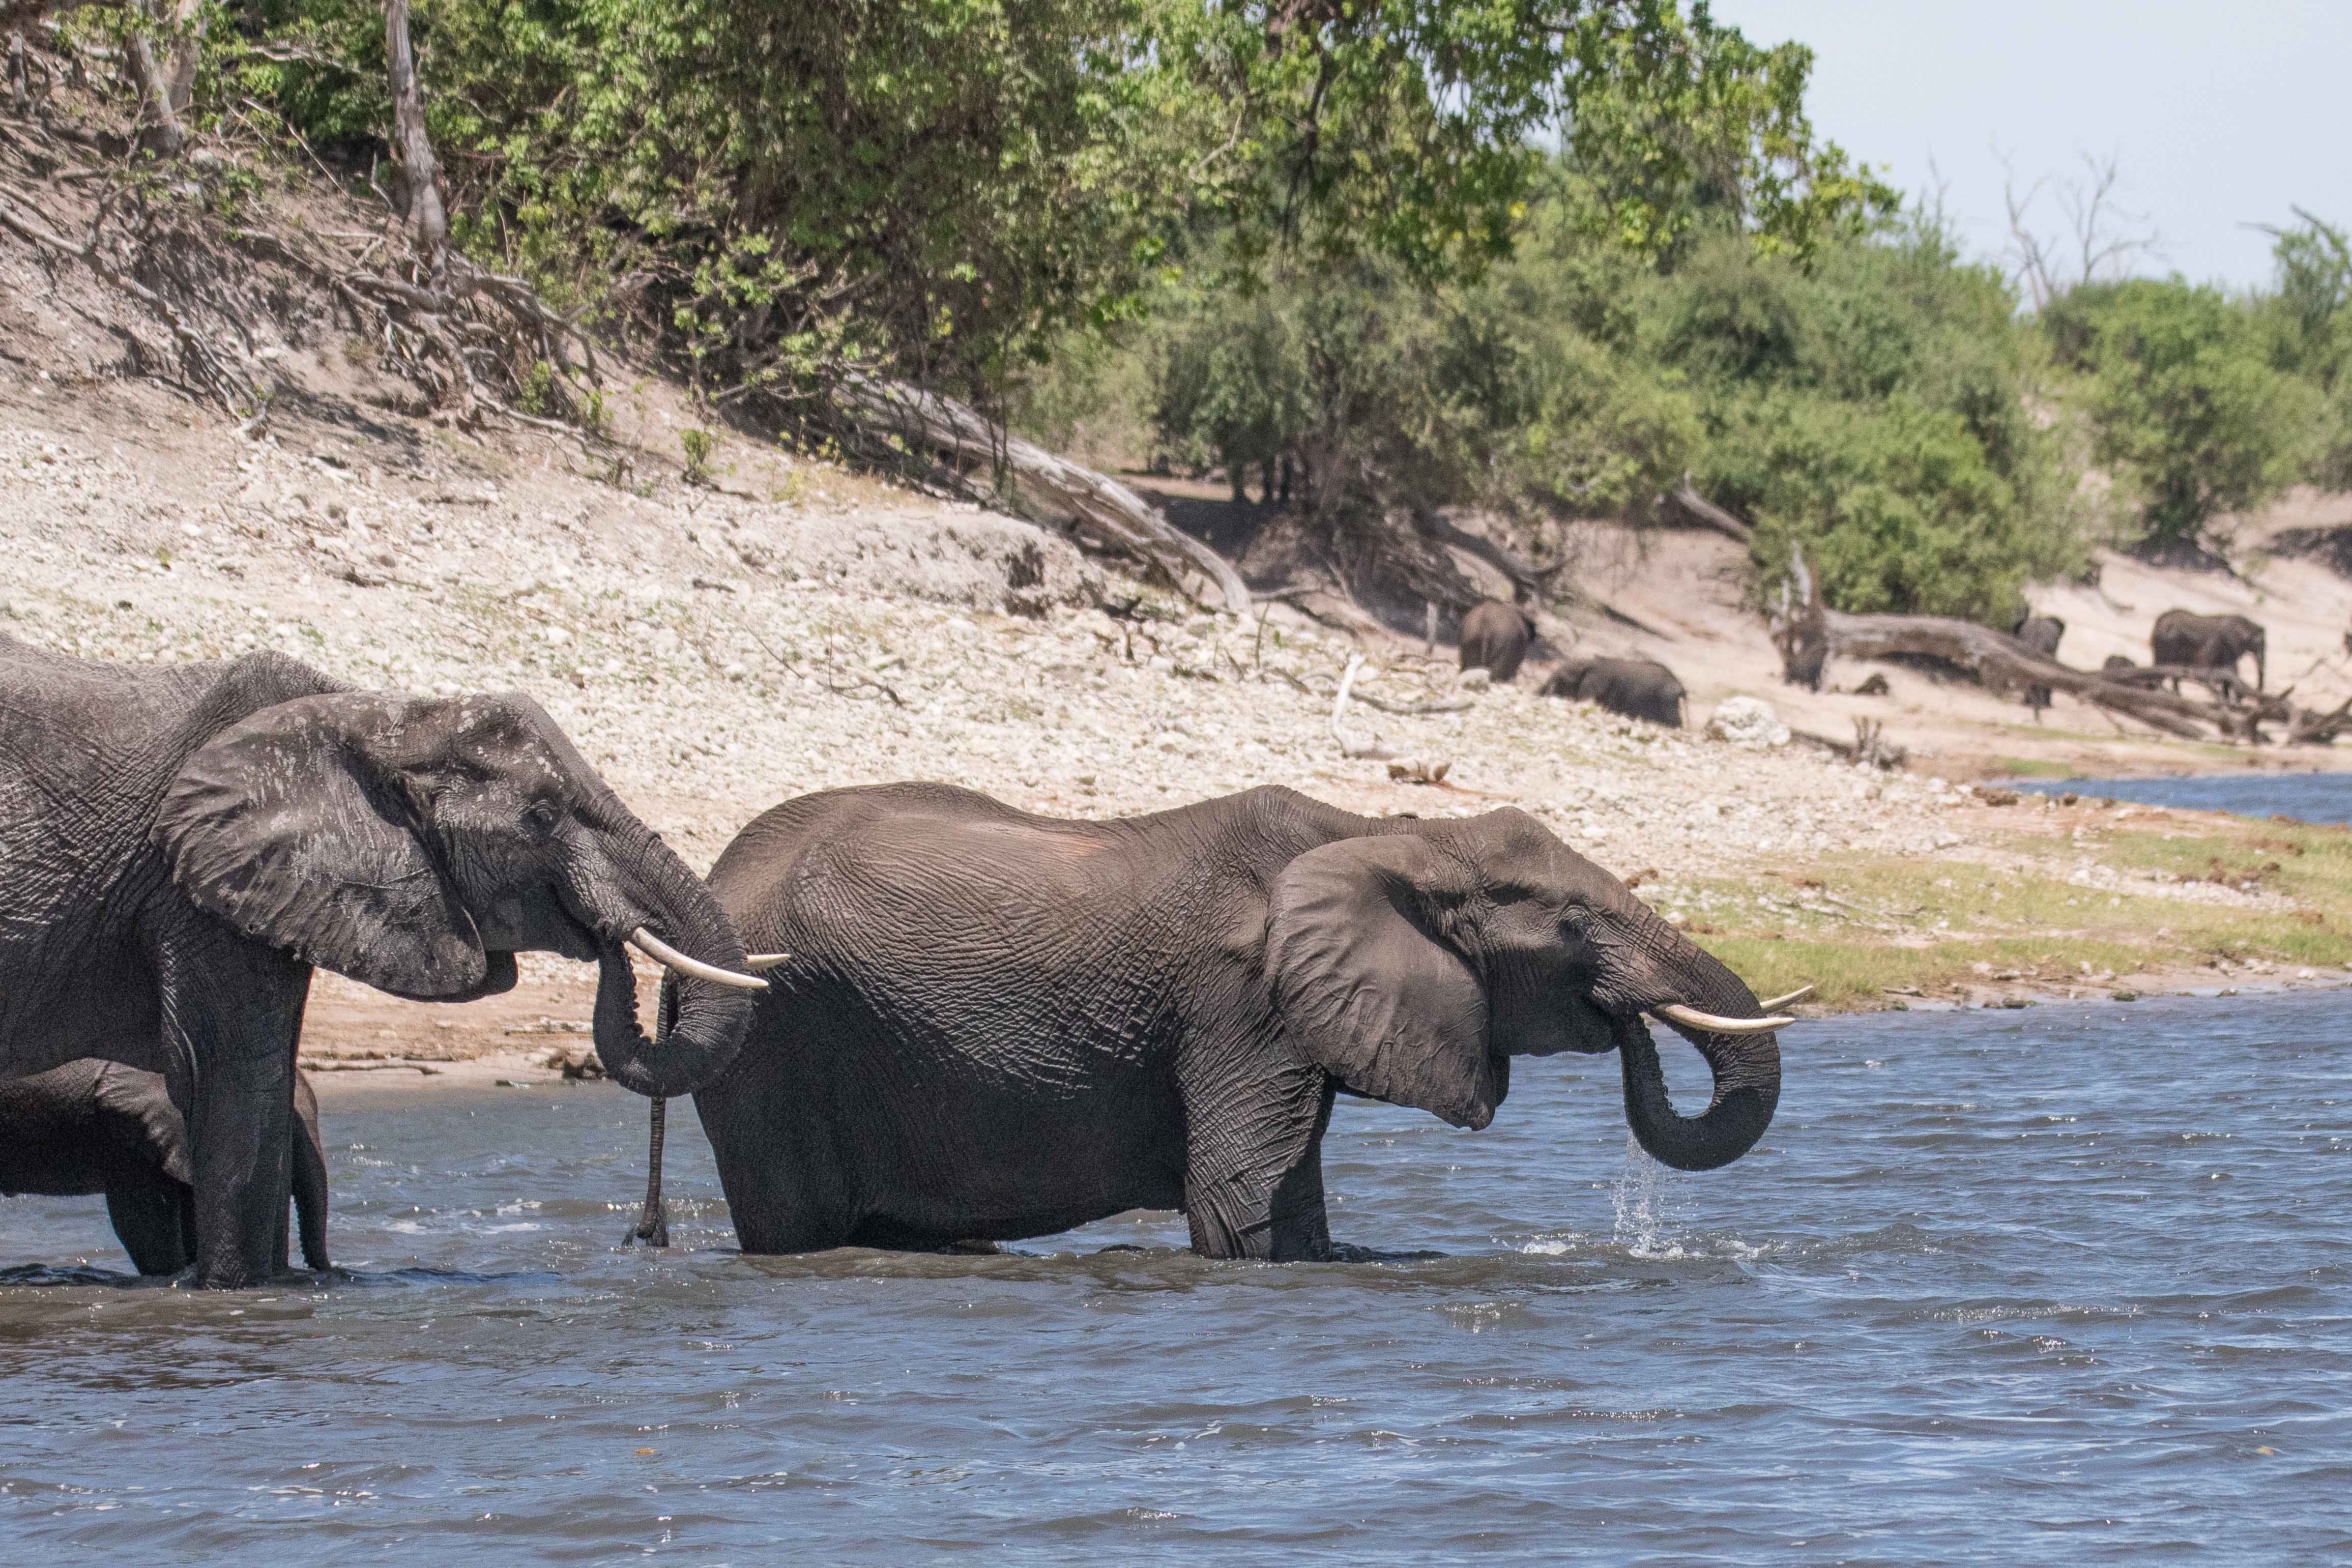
<point>1254,1162</point>
<point>232,1011</point>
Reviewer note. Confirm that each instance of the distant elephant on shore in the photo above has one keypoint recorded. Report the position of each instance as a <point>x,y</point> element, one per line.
<point>996,1026</point>
<point>181,844</point>
<point>1494,637</point>
<point>1637,687</point>
<point>94,1126</point>
<point>2040,633</point>
<point>2208,642</point>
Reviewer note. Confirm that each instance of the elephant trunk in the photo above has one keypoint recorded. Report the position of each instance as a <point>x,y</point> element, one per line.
<point>309,1177</point>
<point>2262,658</point>
<point>1746,1067</point>
<point>647,887</point>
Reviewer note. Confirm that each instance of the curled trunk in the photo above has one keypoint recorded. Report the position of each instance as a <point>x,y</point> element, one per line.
<point>1746,1067</point>
<point>647,885</point>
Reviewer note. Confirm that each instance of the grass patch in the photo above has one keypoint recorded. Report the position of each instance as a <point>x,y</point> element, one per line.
<point>1856,926</point>
<point>2033,768</point>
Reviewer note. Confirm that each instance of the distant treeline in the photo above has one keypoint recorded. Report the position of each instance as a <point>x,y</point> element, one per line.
<point>1882,399</point>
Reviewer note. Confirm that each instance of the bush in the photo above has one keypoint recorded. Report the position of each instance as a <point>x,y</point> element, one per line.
<point>2183,400</point>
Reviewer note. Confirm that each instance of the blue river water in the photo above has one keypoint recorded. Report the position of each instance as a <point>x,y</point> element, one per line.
<point>2314,797</point>
<point>2066,1285</point>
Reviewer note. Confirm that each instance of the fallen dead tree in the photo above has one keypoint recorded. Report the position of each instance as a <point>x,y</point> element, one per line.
<point>1809,634</point>
<point>1106,510</point>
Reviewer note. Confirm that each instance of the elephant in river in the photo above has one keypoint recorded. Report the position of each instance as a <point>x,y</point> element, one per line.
<point>1637,687</point>
<point>996,1026</point>
<point>1494,637</point>
<point>181,844</point>
<point>2208,642</point>
<point>2040,633</point>
<point>94,1126</point>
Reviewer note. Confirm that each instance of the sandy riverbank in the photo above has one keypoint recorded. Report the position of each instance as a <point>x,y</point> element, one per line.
<point>716,651</point>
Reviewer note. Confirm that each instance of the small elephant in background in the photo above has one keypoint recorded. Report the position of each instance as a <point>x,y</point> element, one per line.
<point>2040,633</point>
<point>1637,687</point>
<point>2208,642</point>
<point>1495,638</point>
<point>94,1126</point>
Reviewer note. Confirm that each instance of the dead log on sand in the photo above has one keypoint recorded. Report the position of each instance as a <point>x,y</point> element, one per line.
<point>1109,512</point>
<point>1809,634</point>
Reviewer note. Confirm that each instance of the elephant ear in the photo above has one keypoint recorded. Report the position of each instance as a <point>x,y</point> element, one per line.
<point>289,826</point>
<point>1366,986</point>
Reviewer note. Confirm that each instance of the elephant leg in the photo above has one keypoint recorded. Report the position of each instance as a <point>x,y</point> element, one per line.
<point>232,1012</point>
<point>1254,1160</point>
<point>151,1220</point>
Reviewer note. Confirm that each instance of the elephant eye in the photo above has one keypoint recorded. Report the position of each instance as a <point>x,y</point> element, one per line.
<point>539,820</point>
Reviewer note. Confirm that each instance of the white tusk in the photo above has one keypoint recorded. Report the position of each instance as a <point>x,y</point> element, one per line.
<point>1774,1005</point>
<point>1714,1024</point>
<point>758,960</point>
<point>661,953</point>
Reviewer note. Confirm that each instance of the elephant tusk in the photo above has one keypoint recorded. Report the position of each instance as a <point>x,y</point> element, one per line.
<point>661,953</point>
<point>759,961</point>
<point>1774,1005</point>
<point>1714,1024</point>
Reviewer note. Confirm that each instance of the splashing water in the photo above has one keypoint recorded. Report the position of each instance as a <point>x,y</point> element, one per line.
<point>1644,1194</point>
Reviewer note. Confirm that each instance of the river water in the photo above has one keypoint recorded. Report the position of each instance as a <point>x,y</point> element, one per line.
<point>2314,797</point>
<point>2070,1284</point>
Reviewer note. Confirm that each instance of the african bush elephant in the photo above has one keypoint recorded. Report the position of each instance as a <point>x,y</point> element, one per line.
<point>998,1026</point>
<point>2208,642</point>
<point>96,1126</point>
<point>1494,637</point>
<point>181,844</point>
<point>1637,687</point>
<point>2040,633</point>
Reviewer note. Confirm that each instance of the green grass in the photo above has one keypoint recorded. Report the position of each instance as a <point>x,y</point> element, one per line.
<point>2033,768</point>
<point>1878,922</point>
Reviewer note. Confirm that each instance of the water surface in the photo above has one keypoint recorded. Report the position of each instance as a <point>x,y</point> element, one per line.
<point>2314,797</point>
<point>2066,1285</point>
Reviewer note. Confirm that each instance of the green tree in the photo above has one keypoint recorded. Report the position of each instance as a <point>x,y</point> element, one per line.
<point>2183,400</point>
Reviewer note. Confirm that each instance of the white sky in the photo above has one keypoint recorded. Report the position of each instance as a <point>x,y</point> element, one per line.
<point>2219,114</point>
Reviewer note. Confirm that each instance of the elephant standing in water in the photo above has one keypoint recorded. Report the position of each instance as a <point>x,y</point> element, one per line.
<point>180,844</point>
<point>1637,687</point>
<point>1495,638</point>
<point>2208,642</point>
<point>2040,633</point>
<point>998,1026</point>
<point>99,1127</point>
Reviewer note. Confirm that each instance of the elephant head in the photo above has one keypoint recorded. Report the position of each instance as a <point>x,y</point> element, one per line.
<point>416,844</point>
<point>1413,968</point>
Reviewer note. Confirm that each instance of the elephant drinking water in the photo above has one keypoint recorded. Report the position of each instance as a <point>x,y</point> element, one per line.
<point>180,844</point>
<point>996,1026</point>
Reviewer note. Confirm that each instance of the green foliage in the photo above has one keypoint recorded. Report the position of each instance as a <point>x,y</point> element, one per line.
<point>2310,321</point>
<point>945,188</point>
<point>2183,399</point>
<point>697,446</point>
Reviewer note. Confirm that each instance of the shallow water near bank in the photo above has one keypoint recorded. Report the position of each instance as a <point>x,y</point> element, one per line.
<point>2065,1284</point>
<point>2311,797</point>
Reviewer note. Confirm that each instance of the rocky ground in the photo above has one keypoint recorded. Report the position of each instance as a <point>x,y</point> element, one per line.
<point>716,649</point>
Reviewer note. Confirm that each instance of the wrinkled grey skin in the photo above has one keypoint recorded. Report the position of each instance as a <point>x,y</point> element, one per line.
<point>2040,633</point>
<point>1637,687</point>
<point>99,1127</point>
<point>998,1026</point>
<point>180,844</point>
<point>1494,637</point>
<point>2210,641</point>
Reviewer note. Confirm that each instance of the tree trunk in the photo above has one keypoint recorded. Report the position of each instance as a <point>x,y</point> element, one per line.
<point>1105,508</point>
<point>428,221</point>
